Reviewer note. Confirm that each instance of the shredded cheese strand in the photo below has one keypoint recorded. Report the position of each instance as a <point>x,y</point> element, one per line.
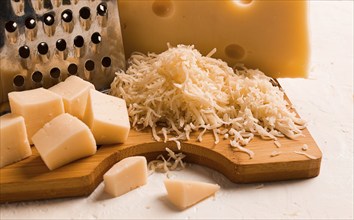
<point>180,88</point>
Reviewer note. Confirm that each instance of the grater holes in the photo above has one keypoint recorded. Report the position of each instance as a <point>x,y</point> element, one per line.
<point>48,19</point>
<point>67,15</point>
<point>24,51</point>
<point>102,9</point>
<point>11,26</point>
<point>19,81</point>
<point>55,73</point>
<point>72,69</point>
<point>79,41</point>
<point>37,77</point>
<point>96,38</point>
<point>85,12</point>
<point>106,62</point>
<point>89,65</point>
<point>42,48</point>
<point>60,44</point>
<point>30,23</point>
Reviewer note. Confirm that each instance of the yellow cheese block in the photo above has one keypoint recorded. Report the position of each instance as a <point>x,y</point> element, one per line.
<point>74,92</point>
<point>107,117</point>
<point>126,175</point>
<point>184,194</point>
<point>63,140</point>
<point>268,35</point>
<point>14,145</point>
<point>37,107</point>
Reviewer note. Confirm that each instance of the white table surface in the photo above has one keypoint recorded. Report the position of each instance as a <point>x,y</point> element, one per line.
<point>325,100</point>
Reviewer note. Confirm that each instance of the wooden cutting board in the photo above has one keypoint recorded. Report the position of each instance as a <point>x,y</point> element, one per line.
<point>30,179</point>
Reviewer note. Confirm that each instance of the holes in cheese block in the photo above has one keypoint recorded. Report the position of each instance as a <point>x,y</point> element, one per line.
<point>162,8</point>
<point>55,73</point>
<point>72,69</point>
<point>235,51</point>
<point>243,2</point>
<point>19,81</point>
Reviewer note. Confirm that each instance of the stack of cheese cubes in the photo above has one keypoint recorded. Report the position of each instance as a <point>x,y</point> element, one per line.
<point>64,122</point>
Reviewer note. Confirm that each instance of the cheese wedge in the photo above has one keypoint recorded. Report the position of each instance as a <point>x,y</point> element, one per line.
<point>184,194</point>
<point>37,106</point>
<point>126,175</point>
<point>107,117</point>
<point>14,145</point>
<point>268,35</point>
<point>74,92</point>
<point>63,140</point>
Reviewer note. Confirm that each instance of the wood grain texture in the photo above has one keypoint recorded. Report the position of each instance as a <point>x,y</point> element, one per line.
<point>30,179</point>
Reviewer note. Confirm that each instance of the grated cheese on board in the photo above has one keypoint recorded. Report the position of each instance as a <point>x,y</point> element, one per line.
<point>173,162</point>
<point>180,91</point>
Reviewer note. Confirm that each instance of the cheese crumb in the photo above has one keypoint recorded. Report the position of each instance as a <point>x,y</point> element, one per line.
<point>277,143</point>
<point>305,147</point>
<point>306,154</point>
<point>173,162</point>
<point>180,88</point>
<point>275,153</point>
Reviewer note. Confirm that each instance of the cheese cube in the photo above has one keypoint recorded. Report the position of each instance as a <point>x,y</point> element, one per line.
<point>37,106</point>
<point>126,175</point>
<point>14,145</point>
<point>63,140</point>
<point>268,35</point>
<point>74,92</point>
<point>184,194</point>
<point>107,117</point>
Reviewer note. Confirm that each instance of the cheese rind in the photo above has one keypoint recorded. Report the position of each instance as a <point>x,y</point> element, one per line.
<point>63,140</point>
<point>268,35</point>
<point>37,106</point>
<point>184,194</point>
<point>107,117</point>
<point>126,175</point>
<point>74,92</point>
<point>14,145</point>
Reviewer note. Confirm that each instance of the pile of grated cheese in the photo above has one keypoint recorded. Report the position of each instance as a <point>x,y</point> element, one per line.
<point>180,91</point>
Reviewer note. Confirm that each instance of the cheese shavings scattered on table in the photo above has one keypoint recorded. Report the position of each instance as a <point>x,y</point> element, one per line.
<point>173,162</point>
<point>180,91</point>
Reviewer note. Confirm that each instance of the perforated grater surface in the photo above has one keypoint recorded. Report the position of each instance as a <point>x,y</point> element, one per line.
<point>42,42</point>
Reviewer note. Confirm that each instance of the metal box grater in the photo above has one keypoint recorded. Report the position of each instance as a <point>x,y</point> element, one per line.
<point>42,42</point>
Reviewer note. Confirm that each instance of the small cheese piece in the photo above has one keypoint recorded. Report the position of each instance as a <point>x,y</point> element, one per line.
<point>74,92</point>
<point>14,145</point>
<point>184,194</point>
<point>126,175</point>
<point>268,35</point>
<point>107,116</point>
<point>37,106</point>
<point>63,140</point>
